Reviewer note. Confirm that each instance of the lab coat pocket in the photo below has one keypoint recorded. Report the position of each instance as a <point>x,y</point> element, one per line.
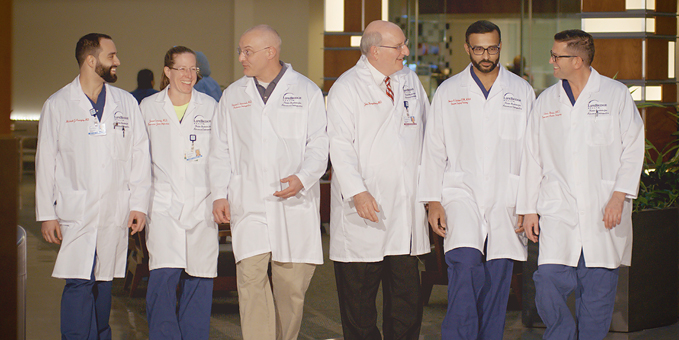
<point>290,123</point>
<point>549,199</point>
<point>235,199</point>
<point>123,208</point>
<point>162,198</point>
<point>512,190</point>
<point>599,130</point>
<point>70,206</point>
<point>122,144</point>
<point>512,123</point>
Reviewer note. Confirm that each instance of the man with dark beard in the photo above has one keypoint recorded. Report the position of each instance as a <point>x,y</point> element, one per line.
<point>93,175</point>
<point>469,176</point>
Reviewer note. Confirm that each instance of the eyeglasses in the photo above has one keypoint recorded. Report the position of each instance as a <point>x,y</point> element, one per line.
<point>185,69</point>
<point>492,50</point>
<point>249,53</point>
<point>398,47</point>
<point>555,57</point>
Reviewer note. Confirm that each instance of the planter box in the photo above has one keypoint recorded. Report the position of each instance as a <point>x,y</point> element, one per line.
<point>647,293</point>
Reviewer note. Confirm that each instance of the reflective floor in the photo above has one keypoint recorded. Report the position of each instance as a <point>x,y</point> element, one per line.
<point>321,313</point>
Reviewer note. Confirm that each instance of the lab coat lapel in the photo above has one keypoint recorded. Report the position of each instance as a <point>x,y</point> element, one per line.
<point>168,108</point>
<point>110,107</point>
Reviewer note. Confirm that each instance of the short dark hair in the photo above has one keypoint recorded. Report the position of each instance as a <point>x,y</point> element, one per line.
<point>89,45</point>
<point>480,27</point>
<point>578,41</point>
<point>145,79</point>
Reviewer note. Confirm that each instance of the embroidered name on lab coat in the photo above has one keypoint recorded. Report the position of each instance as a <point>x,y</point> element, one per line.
<point>77,120</point>
<point>372,103</point>
<point>512,102</point>
<point>157,122</point>
<point>202,124</point>
<point>459,101</point>
<point>242,105</point>
<point>551,114</point>
<point>290,100</point>
<point>594,107</point>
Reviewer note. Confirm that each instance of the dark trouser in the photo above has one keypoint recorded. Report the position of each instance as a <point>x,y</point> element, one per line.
<point>192,320</point>
<point>477,295</point>
<point>85,309</point>
<point>357,285</point>
<point>594,289</point>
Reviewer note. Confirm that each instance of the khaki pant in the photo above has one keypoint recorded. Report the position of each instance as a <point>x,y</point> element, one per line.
<point>267,316</point>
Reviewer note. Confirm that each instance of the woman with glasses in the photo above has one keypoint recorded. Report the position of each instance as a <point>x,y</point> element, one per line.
<point>182,238</point>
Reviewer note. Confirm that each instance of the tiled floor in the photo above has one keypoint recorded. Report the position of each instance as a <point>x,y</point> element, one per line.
<point>321,313</point>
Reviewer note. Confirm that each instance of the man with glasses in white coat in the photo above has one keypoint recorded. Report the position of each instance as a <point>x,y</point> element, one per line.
<point>269,150</point>
<point>376,116</point>
<point>469,176</point>
<point>581,168</point>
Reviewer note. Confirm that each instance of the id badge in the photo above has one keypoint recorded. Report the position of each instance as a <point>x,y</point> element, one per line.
<point>97,130</point>
<point>192,155</point>
<point>409,120</point>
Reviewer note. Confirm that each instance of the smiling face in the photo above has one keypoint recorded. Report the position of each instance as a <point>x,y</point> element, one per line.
<point>388,56</point>
<point>180,75</point>
<point>486,62</point>
<point>563,67</point>
<point>107,61</point>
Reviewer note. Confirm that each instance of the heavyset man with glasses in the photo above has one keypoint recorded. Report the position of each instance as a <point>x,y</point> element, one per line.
<point>470,175</point>
<point>269,150</point>
<point>376,117</point>
<point>581,167</point>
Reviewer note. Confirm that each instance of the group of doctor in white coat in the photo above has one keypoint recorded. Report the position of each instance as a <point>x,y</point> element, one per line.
<point>267,151</point>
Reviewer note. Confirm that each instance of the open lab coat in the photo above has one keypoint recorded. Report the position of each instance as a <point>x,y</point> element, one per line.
<point>90,183</point>
<point>575,158</point>
<point>181,231</point>
<point>254,146</point>
<point>373,149</point>
<point>472,158</point>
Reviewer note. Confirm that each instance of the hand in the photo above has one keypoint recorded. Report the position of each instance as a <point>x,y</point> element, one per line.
<point>49,229</point>
<point>221,211</point>
<point>531,224</point>
<point>136,222</point>
<point>613,211</point>
<point>366,206</point>
<point>294,186</point>
<point>519,225</point>
<point>437,218</point>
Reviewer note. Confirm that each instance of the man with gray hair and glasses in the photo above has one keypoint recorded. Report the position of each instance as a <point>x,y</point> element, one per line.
<point>376,116</point>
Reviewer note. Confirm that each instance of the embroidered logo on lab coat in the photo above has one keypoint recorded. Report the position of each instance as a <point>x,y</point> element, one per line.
<point>77,120</point>
<point>242,105</point>
<point>594,107</point>
<point>372,103</point>
<point>202,124</point>
<point>290,100</point>
<point>512,102</point>
<point>409,92</point>
<point>551,114</point>
<point>158,122</point>
<point>120,120</point>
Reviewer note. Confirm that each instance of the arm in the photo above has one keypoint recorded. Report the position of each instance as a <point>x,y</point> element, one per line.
<point>531,167</point>
<point>434,155</point>
<point>140,175</point>
<point>219,161</point>
<point>633,148</point>
<point>316,150</point>
<point>45,163</point>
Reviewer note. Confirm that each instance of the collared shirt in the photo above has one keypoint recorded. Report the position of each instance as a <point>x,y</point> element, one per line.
<point>377,76</point>
<point>265,92</point>
<point>99,105</point>
<point>478,82</point>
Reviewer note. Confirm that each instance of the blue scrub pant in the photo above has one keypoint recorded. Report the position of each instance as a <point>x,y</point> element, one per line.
<point>594,289</point>
<point>192,319</point>
<point>477,295</point>
<point>85,309</point>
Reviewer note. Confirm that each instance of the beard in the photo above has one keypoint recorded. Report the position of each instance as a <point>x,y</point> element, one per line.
<point>483,69</point>
<point>105,73</point>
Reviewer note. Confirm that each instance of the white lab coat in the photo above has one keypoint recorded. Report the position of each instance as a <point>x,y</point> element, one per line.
<point>90,183</point>
<point>254,146</point>
<point>472,158</point>
<point>181,231</point>
<point>372,149</point>
<point>575,158</point>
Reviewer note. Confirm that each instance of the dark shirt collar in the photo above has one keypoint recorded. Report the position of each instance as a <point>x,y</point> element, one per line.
<point>99,105</point>
<point>569,91</point>
<point>265,93</point>
<point>478,82</point>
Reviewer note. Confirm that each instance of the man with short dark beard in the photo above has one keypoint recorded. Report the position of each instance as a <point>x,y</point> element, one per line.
<point>93,174</point>
<point>469,175</point>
